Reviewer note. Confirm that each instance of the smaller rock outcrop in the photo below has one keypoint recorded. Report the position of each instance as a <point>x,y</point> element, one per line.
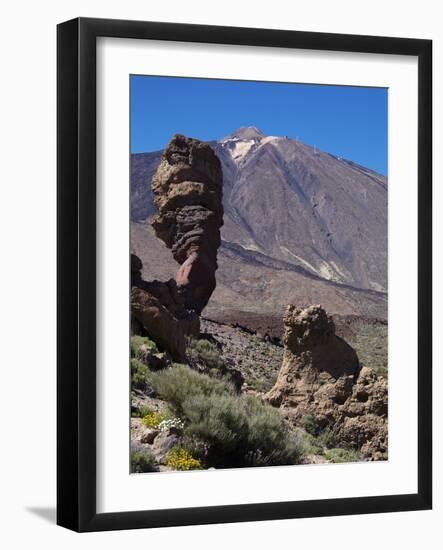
<point>321,376</point>
<point>158,322</point>
<point>159,311</point>
<point>187,189</point>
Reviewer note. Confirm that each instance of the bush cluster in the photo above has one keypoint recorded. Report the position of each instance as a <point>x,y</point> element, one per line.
<point>139,374</point>
<point>141,462</point>
<point>180,383</point>
<point>311,425</point>
<point>260,384</point>
<point>319,438</point>
<point>140,411</point>
<point>203,352</point>
<point>139,344</point>
<point>338,455</point>
<point>328,438</point>
<point>237,430</point>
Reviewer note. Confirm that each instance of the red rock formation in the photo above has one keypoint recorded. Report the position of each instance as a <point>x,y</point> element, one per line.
<point>187,188</point>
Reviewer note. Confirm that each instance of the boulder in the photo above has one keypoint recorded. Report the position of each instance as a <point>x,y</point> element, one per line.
<point>164,443</point>
<point>149,435</point>
<point>159,323</point>
<point>315,360</point>
<point>321,376</point>
<point>158,309</point>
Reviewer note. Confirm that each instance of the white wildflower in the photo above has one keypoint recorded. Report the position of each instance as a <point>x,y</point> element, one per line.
<point>171,423</point>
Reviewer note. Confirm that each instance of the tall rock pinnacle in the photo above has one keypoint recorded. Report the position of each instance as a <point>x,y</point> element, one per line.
<point>188,189</point>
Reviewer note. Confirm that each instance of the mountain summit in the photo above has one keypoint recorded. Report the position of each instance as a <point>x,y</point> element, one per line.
<point>291,203</point>
<point>245,133</point>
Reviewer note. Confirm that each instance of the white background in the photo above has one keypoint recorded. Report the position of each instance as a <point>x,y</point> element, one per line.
<point>117,491</point>
<point>27,288</point>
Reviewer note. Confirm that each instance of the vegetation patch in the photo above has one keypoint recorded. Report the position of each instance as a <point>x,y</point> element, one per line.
<point>142,461</point>
<point>139,345</point>
<point>180,458</point>
<point>328,438</point>
<point>338,455</point>
<point>153,419</point>
<point>141,411</point>
<point>312,446</point>
<point>261,385</point>
<point>205,353</point>
<point>237,429</point>
<point>311,425</point>
<point>139,374</point>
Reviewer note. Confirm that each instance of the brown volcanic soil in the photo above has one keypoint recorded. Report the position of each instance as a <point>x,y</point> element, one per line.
<point>257,359</point>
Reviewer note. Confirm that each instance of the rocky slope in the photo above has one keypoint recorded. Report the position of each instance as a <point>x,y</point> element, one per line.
<point>327,430</point>
<point>290,202</point>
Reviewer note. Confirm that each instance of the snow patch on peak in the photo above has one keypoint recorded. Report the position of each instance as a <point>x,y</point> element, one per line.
<point>268,139</point>
<point>240,149</point>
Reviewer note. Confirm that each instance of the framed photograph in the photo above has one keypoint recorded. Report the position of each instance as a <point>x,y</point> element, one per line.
<point>244,274</point>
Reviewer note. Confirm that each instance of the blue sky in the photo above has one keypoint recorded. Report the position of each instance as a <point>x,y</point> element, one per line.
<point>346,121</point>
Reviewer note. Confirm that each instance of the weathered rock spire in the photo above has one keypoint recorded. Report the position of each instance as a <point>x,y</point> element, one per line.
<point>188,188</point>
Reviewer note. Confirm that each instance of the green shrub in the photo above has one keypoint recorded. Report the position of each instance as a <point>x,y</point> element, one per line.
<point>180,458</point>
<point>141,411</point>
<point>221,422</point>
<point>139,344</point>
<point>259,384</point>
<point>178,383</point>
<point>311,425</point>
<point>338,455</point>
<point>197,447</point>
<point>206,353</point>
<point>324,437</point>
<point>328,439</point>
<point>312,446</point>
<point>139,374</point>
<point>142,461</point>
<point>235,428</point>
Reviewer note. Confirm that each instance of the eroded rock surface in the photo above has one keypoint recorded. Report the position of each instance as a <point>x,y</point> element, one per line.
<point>187,189</point>
<point>321,376</point>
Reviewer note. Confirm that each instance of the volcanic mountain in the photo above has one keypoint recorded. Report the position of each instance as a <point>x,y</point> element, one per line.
<point>300,225</point>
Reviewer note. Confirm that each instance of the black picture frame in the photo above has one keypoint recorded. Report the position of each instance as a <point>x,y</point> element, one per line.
<point>76,295</point>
